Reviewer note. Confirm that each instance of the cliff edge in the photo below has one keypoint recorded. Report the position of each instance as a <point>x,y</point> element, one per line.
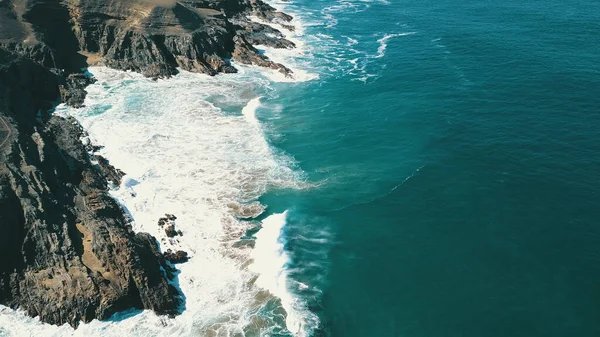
<point>68,252</point>
<point>153,37</point>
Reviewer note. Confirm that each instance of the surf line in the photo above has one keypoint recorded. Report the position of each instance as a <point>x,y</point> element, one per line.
<point>270,263</point>
<point>269,257</point>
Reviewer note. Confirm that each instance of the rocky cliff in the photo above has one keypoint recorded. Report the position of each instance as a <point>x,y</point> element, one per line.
<point>153,37</point>
<point>68,253</point>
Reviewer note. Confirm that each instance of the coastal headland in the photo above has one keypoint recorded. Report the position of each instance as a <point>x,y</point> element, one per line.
<point>68,252</point>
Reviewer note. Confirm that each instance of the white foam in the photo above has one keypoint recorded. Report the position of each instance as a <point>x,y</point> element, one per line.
<point>383,43</point>
<point>298,59</point>
<point>184,156</point>
<point>249,111</point>
<point>383,2</point>
<point>320,54</point>
<point>332,21</point>
<point>270,261</point>
<point>334,57</point>
<point>351,41</point>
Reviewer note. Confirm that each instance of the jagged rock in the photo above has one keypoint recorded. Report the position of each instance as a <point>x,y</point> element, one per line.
<point>110,172</point>
<point>150,37</point>
<point>168,222</point>
<point>176,257</point>
<point>288,27</point>
<point>245,53</point>
<point>259,34</point>
<point>267,12</point>
<point>162,221</point>
<point>170,231</point>
<point>73,91</point>
<point>42,31</point>
<point>68,254</point>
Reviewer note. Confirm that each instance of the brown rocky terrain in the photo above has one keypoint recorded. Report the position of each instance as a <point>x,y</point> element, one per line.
<point>67,251</point>
<point>153,37</point>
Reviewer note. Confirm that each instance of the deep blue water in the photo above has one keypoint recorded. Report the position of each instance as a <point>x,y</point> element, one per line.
<point>458,174</point>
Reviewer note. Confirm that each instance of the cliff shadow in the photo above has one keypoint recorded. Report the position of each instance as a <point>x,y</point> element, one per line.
<point>52,22</point>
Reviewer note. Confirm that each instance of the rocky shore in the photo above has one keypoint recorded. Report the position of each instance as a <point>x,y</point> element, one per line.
<point>153,37</point>
<point>68,253</point>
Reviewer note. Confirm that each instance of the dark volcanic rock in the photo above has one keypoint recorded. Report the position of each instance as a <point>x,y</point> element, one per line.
<point>68,254</point>
<point>150,37</point>
<point>162,221</point>
<point>245,53</point>
<point>72,91</point>
<point>260,34</point>
<point>268,13</point>
<point>154,38</point>
<point>110,172</point>
<point>170,231</point>
<point>176,257</point>
<point>168,222</point>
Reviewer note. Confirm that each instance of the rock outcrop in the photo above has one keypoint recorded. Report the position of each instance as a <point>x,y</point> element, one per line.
<point>72,91</point>
<point>152,37</point>
<point>68,254</point>
<point>110,173</point>
<point>168,224</point>
<point>176,257</point>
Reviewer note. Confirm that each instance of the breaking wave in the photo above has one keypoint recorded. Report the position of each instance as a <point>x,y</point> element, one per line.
<point>383,43</point>
<point>194,147</point>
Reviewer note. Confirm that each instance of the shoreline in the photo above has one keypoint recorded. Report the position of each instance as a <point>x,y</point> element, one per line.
<point>92,154</point>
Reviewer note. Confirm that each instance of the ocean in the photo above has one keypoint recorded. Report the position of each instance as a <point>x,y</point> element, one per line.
<point>432,169</point>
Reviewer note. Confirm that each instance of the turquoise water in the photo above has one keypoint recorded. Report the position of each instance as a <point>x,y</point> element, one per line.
<point>457,169</point>
<point>440,177</point>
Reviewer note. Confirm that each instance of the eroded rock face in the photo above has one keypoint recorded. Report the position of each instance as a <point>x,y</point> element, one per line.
<point>72,90</point>
<point>176,257</point>
<point>152,37</point>
<point>67,252</point>
<point>111,173</point>
<point>168,224</point>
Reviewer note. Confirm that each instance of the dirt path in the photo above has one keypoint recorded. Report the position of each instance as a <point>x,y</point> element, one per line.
<point>4,132</point>
<point>88,258</point>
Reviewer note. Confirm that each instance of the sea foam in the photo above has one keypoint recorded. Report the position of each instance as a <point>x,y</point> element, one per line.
<point>271,262</point>
<point>187,150</point>
<point>383,42</point>
<point>297,59</point>
<point>185,155</point>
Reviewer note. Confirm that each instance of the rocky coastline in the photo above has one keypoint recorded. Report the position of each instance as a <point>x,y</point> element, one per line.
<point>68,252</point>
